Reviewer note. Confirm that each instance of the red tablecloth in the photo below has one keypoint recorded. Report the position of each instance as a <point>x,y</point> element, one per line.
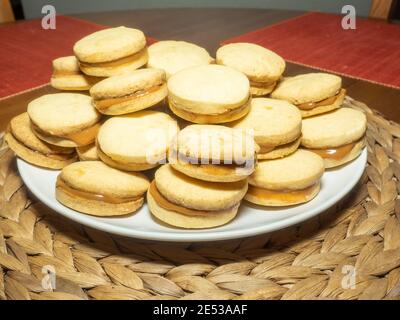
<point>371,52</point>
<point>27,50</point>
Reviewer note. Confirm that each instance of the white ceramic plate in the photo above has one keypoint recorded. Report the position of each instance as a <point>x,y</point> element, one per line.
<point>251,220</point>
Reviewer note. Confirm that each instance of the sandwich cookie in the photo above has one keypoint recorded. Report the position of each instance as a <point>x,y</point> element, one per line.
<point>209,94</point>
<point>287,181</point>
<point>135,142</point>
<point>111,51</point>
<point>262,66</point>
<point>184,202</point>
<point>94,188</point>
<point>87,153</point>
<point>67,75</point>
<point>312,93</point>
<point>64,119</point>
<point>131,92</point>
<point>214,153</point>
<point>173,56</point>
<point>276,125</point>
<point>338,136</point>
<point>27,146</point>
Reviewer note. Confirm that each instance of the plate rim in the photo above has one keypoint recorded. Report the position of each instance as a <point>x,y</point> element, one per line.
<point>198,237</point>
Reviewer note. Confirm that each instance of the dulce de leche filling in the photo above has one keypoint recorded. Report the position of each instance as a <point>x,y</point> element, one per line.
<point>325,102</point>
<point>337,153</point>
<point>116,62</point>
<point>81,138</point>
<point>258,84</point>
<point>62,73</point>
<point>85,136</point>
<point>103,104</point>
<point>192,115</point>
<point>92,196</point>
<point>290,196</point>
<point>167,205</point>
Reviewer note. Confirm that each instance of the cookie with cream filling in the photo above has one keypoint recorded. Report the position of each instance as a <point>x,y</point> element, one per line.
<point>184,202</point>
<point>291,180</point>
<point>312,93</point>
<point>338,136</point>
<point>64,119</point>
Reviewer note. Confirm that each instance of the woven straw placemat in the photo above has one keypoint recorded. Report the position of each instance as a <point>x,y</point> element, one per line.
<point>352,251</point>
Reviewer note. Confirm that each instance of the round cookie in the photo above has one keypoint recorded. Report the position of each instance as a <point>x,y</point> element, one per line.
<point>276,125</point>
<point>111,51</point>
<point>138,141</point>
<point>173,56</point>
<point>87,153</point>
<point>337,136</point>
<point>184,202</point>
<point>27,146</point>
<point>64,119</point>
<point>287,181</point>
<point>312,93</point>
<point>262,66</point>
<point>209,94</point>
<point>94,188</point>
<point>68,76</point>
<point>131,92</point>
<point>214,153</point>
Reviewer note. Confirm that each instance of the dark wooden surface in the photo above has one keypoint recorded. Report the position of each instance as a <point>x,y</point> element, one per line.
<point>208,27</point>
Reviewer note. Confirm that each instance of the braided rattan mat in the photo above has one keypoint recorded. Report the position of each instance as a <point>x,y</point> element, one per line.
<point>351,251</point>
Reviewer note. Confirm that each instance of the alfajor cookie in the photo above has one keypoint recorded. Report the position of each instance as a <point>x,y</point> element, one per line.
<point>184,202</point>
<point>173,56</point>
<point>209,94</point>
<point>214,153</point>
<point>287,181</point>
<point>87,153</point>
<point>67,75</point>
<point>111,51</point>
<point>276,126</point>
<point>337,136</point>
<point>131,92</point>
<point>263,67</point>
<point>312,93</point>
<point>64,119</point>
<point>94,188</point>
<point>138,141</point>
<point>27,146</point>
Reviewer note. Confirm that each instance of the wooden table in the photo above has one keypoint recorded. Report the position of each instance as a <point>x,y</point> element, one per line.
<point>208,27</point>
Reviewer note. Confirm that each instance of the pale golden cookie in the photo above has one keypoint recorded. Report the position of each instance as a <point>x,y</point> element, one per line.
<point>209,94</point>
<point>310,87</point>
<point>181,201</point>
<point>312,93</point>
<point>64,119</point>
<point>94,188</point>
<point>173,56</point>
<point>111,51</point>
<point>263,67</point>
<point>138,141</point>
<point>276,125</point>
<point>214,153</point>
<point>27,146</point>
<point>68,76</point>
<point>256,62</point>
<point>337,136</point>
<point>287,181</point>
<point>131,92</point>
